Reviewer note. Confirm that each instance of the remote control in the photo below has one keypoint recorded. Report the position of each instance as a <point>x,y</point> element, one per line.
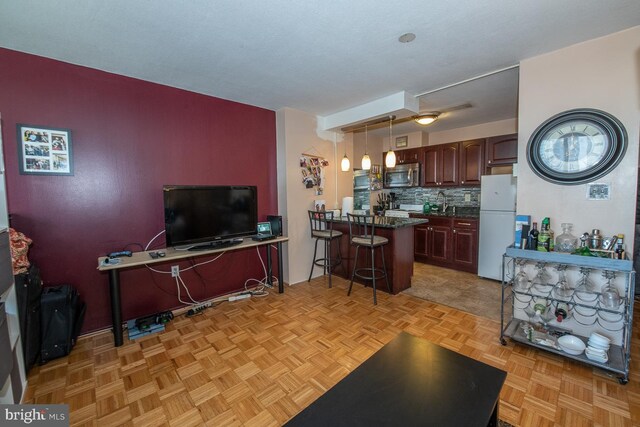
<point>118,254</point>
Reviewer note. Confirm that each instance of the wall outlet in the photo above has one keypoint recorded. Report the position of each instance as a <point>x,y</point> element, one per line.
<point>467,197</point>
<point>175,271</point>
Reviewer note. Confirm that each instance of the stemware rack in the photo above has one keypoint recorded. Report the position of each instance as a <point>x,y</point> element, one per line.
<point>589,311</point>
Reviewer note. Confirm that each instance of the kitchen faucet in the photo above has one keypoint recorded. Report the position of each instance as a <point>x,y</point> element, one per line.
<point>444,203</point>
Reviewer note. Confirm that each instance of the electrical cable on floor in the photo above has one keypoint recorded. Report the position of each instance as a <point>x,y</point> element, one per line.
<point>259,290</point>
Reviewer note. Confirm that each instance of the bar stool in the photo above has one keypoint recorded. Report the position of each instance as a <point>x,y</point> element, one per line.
<point>362,233</point>
<point>322,229</point>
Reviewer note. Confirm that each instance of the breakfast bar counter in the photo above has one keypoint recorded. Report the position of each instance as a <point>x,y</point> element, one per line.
<point>398,253</point>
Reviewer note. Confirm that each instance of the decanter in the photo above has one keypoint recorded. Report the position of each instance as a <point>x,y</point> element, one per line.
<point>566,242</point>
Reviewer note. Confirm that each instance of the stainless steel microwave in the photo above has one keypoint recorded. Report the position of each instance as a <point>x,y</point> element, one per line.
<point>405,175</point>
<point>361,180</point>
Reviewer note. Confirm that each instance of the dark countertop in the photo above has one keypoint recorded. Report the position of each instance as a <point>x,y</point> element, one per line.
<point>471,213</point>
<point>388,222</point>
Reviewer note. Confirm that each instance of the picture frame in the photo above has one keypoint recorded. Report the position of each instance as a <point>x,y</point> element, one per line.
<point>402,141</point>
<point>44,150</point>
<point>598,191</point>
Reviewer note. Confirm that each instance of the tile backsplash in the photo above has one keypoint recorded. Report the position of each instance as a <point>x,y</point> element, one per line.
<point>455,196</point>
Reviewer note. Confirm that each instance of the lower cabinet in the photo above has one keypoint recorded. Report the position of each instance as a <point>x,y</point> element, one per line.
<point>447,242</point>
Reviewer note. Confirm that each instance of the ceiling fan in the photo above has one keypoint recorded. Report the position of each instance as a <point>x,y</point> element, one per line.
<point>423,118</point>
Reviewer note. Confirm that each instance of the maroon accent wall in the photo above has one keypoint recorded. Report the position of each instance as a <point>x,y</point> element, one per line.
<point>129,138</point>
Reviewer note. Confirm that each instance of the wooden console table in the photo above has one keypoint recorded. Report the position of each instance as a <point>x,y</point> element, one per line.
<point>139,259</point>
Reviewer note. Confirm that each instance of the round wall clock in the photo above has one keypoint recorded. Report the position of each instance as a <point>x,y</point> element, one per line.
<point>577,146</point>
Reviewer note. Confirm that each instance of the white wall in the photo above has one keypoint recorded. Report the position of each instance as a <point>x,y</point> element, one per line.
<point>296,133</point>
<point>604,74</point>
<point>484,130</point>
<point>414,140</point>
<point>374,148</point>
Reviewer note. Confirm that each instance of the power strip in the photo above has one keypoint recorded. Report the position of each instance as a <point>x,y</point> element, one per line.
<point>238,297</point>
<point>198,309</point>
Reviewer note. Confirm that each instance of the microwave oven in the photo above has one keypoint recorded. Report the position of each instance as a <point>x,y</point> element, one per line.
<point>361,180</point>
<point>405,175</point>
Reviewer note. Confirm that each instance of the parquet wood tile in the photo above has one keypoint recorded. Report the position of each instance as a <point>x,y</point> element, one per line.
<point>259,362</point>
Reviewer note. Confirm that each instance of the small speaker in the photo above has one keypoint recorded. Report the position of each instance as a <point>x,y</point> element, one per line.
<point>276,224</point>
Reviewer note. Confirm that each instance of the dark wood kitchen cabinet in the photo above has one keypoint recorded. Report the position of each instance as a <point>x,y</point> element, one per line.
<point>447,242</point>
<point>432,241</point>
<point>440,165</point>
<point>471,161</point>
<point>410,155</point>
<point>502,150</point>
<point>465,245</point>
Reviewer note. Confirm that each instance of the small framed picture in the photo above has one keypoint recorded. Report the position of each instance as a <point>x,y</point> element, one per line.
<point>402,141</point>
<point>598,191</point>
<point>44,151</point>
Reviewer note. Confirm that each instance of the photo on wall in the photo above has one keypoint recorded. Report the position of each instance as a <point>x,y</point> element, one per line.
<point>44,151</point>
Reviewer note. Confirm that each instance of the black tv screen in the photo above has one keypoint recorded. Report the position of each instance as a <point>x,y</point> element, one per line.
<point>196,215</point>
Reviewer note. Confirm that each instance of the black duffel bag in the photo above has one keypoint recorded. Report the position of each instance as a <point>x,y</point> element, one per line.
<point>62,315</point>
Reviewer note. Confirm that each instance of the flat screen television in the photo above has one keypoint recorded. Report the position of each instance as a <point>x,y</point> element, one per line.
<point>202,217</point>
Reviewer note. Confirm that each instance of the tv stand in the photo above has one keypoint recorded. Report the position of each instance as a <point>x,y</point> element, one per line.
<point>139,259</point>
<point>218,244</point>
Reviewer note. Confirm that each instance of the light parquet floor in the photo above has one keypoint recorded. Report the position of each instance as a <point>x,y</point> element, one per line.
<point>258,362</point>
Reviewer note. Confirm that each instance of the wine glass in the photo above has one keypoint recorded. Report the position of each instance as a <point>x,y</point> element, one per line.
<point>561,288</point>
<point>610,296</point>
<point>540,281</point>
<point>521,280</point>
<point>585,289</point>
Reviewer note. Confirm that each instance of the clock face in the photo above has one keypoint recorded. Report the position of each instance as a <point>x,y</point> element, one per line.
<point>576,146</point>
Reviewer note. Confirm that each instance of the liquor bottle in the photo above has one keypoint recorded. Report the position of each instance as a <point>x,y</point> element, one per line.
<point>562,311</point>
<point>620,247</point>
<point>543,237</point>
<point>532,241</point>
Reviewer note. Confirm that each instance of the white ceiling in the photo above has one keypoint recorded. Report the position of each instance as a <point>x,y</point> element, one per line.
<point>321,57</point>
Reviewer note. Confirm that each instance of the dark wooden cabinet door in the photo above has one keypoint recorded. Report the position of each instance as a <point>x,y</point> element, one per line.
<point>471,161</point>
<point>430,166</point>
<point>502,150</point>
<point>465,250</point>
<point>465,245</point>
<point>439,245</point>
<point>420,240</point>
<point>449,164</point>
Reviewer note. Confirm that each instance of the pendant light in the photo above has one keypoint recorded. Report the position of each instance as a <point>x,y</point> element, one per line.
<point>390,160</point>
<point>345,165</point>
<point>366,160</point>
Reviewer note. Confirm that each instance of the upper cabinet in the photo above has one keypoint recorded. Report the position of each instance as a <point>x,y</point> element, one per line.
<point>460,163</point>
<point>440,165</point>
<point>411,155</point>
<point>502,150</point>
<point>471,161</point>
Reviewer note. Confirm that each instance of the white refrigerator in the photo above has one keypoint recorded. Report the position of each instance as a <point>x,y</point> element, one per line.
<point>497,222</point>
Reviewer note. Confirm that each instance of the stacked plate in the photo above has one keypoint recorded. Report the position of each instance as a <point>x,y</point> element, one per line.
<point>598,347</point>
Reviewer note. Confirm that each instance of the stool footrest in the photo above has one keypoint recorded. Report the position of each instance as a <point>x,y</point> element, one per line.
<point>321,262</point>
<point>379,273</point>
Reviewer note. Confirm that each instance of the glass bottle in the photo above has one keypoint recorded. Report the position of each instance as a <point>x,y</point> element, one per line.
<point>532,240</point>
<point>620,247</point>
<point>544,236</point>
<point>566,242</point>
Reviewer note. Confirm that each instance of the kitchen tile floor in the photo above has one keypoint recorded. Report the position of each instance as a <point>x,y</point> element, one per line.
<point>260,361</point>
<point>457,289</point>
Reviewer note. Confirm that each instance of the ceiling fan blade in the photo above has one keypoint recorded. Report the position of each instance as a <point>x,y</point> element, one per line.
<point>456,108</point>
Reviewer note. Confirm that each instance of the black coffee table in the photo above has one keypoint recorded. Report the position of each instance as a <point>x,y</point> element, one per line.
<point>410,382</point>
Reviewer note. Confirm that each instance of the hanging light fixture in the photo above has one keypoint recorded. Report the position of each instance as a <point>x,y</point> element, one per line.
<point>345,165</point>
<point>426,119</point>
<point>366,160</point>
<point>390,160</point>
